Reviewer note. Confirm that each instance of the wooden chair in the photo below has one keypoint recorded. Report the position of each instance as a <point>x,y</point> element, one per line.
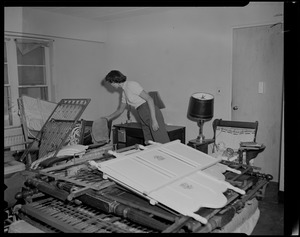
<point>27,135</point>
<point>230,134</point>
<point>56,130</point>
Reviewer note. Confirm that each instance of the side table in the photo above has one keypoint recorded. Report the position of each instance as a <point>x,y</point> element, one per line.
<point>129,134</point>
<point>203,146</point>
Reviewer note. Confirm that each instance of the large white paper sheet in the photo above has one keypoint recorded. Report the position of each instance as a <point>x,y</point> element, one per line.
<point>170,174</point>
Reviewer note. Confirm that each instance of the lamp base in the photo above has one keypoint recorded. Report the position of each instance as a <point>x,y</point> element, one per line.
<point>200,138</point>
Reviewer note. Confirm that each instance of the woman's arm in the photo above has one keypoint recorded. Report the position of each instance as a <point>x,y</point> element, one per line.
<point>117,113</point>
<point>150,102</point>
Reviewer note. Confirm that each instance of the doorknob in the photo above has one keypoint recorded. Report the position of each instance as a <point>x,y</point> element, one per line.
<point>235,108</point>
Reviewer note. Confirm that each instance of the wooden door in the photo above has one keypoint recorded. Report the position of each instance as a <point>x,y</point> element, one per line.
<point>257,85</point>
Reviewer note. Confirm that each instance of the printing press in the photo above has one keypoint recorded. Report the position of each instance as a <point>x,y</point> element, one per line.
<point>90,191</point>
<point>74,197</point>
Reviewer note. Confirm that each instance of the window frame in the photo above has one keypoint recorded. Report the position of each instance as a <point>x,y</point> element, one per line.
<point>13,78</point>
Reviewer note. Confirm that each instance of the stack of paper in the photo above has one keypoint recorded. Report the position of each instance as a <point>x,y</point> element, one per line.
<point>250,145</point>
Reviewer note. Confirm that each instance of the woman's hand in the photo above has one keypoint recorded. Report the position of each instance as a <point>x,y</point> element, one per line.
<point>155,126</point>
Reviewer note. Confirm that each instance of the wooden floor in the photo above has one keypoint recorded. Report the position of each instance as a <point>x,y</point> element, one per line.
<point>271,221</point>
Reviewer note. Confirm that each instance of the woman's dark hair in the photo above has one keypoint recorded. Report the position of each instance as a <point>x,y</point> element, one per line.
<point>115,76</point>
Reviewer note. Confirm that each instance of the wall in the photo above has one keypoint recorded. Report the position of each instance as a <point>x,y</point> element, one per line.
<point>176,53</point>
<point>78,68</point>
<point>13,19</point>
<point>38,22</point>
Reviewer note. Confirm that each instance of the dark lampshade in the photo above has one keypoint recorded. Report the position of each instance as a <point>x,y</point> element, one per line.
<point>201,106</point>
<point>157,100</point>
<point>201,109</point>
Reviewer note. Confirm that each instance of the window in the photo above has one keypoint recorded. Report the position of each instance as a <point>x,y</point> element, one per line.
<point>7,100</point>
<point>26,72</point>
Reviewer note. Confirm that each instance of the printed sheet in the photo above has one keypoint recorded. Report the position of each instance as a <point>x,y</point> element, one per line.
<point>170,174</point>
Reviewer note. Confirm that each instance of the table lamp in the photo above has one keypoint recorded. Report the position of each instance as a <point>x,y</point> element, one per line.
<point>201,109</point>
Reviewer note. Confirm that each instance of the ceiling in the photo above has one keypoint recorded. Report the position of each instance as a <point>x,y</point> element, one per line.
<point>102,13</point>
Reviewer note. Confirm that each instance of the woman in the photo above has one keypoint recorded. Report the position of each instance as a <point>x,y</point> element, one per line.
<point>133,94</point>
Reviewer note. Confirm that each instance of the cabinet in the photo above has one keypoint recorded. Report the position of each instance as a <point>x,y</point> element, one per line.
<point>129,134</point>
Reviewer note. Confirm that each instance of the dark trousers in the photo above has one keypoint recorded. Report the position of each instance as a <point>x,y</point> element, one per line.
<point>161,135</point>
